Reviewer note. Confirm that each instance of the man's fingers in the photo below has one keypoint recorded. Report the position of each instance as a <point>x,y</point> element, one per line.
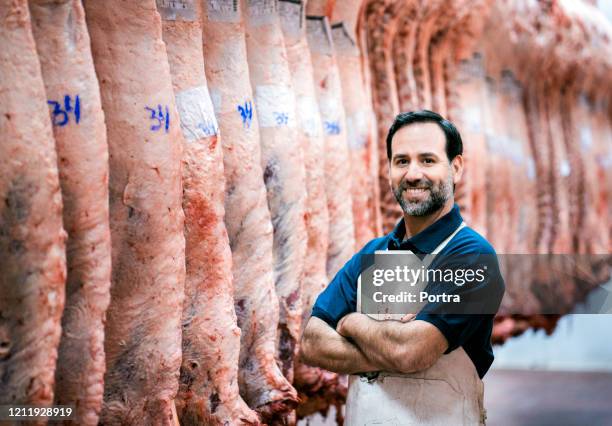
<point>408,317</point>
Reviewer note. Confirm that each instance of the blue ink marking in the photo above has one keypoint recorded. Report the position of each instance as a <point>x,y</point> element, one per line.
<point>282,118</point>
<point>208,127</point>
<point>159,116</point>
<point>58,111</point>
<point>246,112</point>
<point>77,109</point>
<point>332,128</point>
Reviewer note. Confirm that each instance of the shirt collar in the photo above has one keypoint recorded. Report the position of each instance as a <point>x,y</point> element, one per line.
<point>429,238</point>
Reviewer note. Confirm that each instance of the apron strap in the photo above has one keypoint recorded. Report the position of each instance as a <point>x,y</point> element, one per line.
<point>430,257</point>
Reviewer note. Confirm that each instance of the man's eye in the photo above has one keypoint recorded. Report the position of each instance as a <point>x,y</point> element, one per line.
<point>401,161</point>
<point>428,161</point>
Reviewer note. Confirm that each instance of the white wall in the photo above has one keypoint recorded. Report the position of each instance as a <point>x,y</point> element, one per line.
<point>606,7</point>
<point>580,342</point>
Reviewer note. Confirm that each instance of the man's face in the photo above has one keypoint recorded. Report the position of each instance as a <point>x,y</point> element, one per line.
<point>420,174</point>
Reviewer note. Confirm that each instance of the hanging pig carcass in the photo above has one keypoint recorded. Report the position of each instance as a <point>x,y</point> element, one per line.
<point>143,328</point>
<point>32,239</point>
<point>337,163</point>
<point>80,134</point>
<point>283,166</point>
<point>208,388</point>
<point>247,217</point>
<point>309,381</point>
<point>359,117</point>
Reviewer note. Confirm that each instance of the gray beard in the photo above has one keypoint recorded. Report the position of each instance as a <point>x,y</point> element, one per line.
<point>438,196</point>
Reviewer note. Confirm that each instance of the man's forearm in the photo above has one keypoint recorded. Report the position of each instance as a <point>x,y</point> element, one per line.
<point>373,340</point>
<point>323,347</point>
<point>393,345</point>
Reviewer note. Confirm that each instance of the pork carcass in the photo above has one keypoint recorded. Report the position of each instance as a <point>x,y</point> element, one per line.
<point>468,86</point>
<point>312,141</point>
<point>382,20</point>
<point>429,13</point>
<point>373,160</point>
<point>308,380</point>
<point>80,135</point>
<point>208,388</point>
<point>464,38</point>
<point>359,117</point>
<point>32,239</point>
<point>283,166</point>
<point>596,60</point>
<point>247,217</point>
<point>600,123</point>
<point>338,173</point>
<point>449,23</point>
<point>556,122</point>
<point>403,50</point>
<point>143,329</point>
<point>497,177</point>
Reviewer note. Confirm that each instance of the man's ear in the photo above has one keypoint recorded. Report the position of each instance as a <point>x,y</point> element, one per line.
<point>457,165</point>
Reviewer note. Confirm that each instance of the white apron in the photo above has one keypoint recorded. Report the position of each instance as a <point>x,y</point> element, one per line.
<point>447,393</point>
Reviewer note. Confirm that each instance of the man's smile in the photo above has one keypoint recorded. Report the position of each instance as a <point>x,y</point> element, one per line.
<point>415,192</point>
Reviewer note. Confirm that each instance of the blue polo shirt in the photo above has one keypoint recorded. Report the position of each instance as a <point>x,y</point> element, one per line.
<point>471,331</point>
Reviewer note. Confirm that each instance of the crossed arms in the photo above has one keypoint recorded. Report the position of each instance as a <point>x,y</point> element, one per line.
<point>361,344</point>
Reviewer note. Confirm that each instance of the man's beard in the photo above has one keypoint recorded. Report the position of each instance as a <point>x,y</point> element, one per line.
<point>438,196</point>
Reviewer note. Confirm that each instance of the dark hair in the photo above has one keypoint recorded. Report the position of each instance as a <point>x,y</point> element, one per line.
<point>454,145</point>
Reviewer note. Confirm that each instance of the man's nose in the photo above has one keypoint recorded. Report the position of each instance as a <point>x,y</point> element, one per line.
<point>413,172</point>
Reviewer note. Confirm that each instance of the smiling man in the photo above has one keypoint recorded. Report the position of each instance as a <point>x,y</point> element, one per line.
<point>424,369</point>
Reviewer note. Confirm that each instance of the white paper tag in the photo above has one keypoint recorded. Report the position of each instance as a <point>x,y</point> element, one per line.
<point>223,10</point>
<point>177,10</point>
<point>261,12</point>
<point>343,42</point>
<point>357,129</point>
<point>197,113</point>
<point>319,35</point>
<point>291,14</point>
<point>309,116</point>
<point>275,106</point>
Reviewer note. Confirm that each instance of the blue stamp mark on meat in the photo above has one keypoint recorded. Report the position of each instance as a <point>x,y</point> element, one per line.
<point>61,112</point>
<point>332,127</point>
<point>281,118</point>
<point>160,117</point>
<point>208,126</point>
<point>246,113</point>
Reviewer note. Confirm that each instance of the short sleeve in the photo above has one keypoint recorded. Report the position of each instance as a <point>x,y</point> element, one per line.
<point>456,328</point>
<point>340,296</point>
<point>479,300</point>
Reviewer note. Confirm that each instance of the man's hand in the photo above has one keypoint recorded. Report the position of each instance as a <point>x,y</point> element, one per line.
<point>345,323</point>
<point>408,317</point>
